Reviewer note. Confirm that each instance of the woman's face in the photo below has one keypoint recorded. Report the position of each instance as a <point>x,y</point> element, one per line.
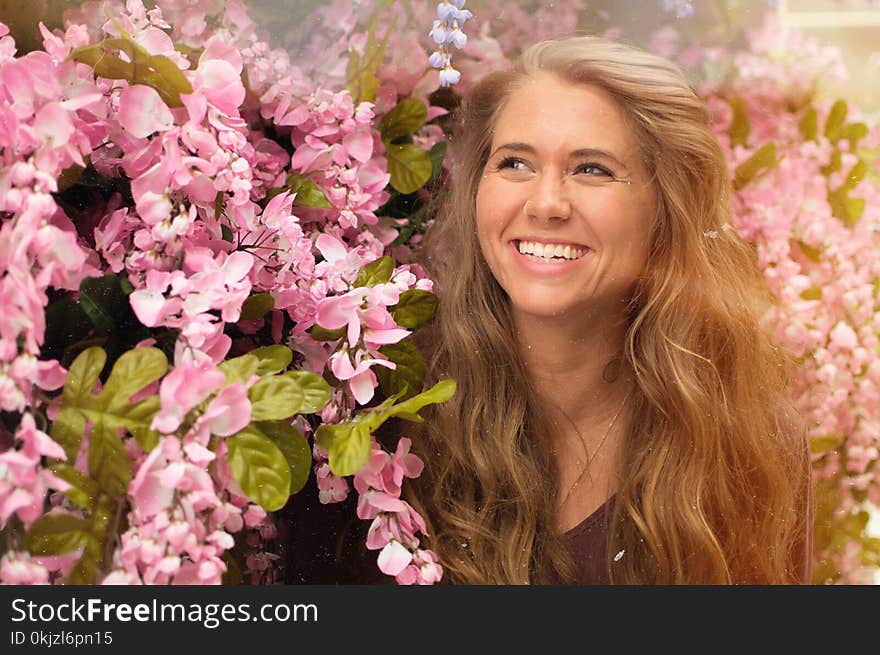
<point>556,152</point>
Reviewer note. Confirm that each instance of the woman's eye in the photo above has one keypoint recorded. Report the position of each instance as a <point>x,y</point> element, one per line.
<point>511,162</point>
<point>594,169</point>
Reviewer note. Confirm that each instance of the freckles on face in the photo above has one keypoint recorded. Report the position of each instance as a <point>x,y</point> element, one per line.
<point>564,169</point>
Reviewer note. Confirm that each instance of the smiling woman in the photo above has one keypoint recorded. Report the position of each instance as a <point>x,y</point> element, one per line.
<point>558,191</point>
<point>621,416</point>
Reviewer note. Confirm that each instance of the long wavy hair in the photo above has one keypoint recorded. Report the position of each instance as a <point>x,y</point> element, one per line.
<point>713,466</point>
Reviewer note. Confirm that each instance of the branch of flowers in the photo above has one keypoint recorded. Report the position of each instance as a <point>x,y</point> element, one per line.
<point>447,30</point>
<point>395,523</point>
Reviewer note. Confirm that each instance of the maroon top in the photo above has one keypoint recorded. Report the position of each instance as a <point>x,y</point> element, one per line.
<point>586,541</point>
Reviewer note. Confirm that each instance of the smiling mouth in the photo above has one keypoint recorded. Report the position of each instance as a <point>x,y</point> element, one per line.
<point>558,256</point>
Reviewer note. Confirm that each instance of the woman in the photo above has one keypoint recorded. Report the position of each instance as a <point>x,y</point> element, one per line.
<point>620,415</point>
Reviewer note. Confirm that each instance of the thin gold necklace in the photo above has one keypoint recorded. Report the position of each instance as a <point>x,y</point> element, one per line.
<point>590,458</point>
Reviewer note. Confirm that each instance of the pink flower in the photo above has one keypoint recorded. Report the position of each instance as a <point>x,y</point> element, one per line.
<point>221,85</point>
<point>182,389</point>
<point>229,411</point>
<point>150,304</point>
<point>18,568</point>
<point>362,381</point>
<point>394,558</point>
<point>142,112</point>
<point>24,482</point>
<point>331,488</point>
<point>147,491</point>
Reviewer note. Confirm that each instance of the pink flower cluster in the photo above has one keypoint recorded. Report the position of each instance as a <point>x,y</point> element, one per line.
<point>180,525</point>
<point>396,525</point>
<point>24,482</point>
<point>363,312</point>
<point>823,269</point>
<point>46,125</point>
<point>197,236</point>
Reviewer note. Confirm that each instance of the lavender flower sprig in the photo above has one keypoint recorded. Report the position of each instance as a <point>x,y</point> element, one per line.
<point>682,8</point>
<point>447,30</point>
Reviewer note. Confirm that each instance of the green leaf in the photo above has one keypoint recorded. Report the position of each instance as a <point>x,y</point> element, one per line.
<point>352,74</point>
<point>414,308</point>
<point>260,468</point>
<point>83,374</point>
<point>437,154</point>
<point>409,166</point>
<point>239,369</point>
<point>854,132</point>
<point>295,448</point>
<point>56,534</point>
<point>328,433</point>
<point>835,164</point>
<point>85,571</point>
<point>133,371</point>
<point>856,174</point>
<point>141,415</point>
<point>361,78</point>
<point>274,398</point>
<point>105,511</point>
<point>854,524</point>
<point>440,392</point>
<point>848,210</point>
<point>376,272</point>
<point>102,300</point>
<point>835,120</point>
<point>853,210</point>
<point>257,306</point>
<point>139,67</point>
<point>409,376</point>
<point>762,160</point>
<point>348,444</point>
<point>67,430</point>
<point>323,334</point>
<point>404,119</point>
<point>272,359</point>
<point>811,253</point>
<point>739,125</point>
<point>219,204</point>
<point>83,490</point>
<point>810,124</point>
<point>813,293</point>
<point>109,464</point>
<point>824,443</point>
<point>315,391</point>
<point>348,447</point>
<point>307,192</point>
<point>110,412</point>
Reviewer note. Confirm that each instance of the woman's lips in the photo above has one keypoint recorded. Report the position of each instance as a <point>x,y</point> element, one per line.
<point>546,268</point>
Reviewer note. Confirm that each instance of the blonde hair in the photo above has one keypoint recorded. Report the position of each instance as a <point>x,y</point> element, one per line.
<point>712,469</point>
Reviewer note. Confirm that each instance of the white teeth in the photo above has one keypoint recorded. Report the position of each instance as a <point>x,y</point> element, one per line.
<point>546,251</point>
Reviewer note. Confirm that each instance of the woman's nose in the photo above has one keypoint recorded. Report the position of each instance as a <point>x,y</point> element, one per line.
<point>548,201</point>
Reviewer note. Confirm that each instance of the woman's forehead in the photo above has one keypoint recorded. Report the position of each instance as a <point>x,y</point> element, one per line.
<point>550,112</point>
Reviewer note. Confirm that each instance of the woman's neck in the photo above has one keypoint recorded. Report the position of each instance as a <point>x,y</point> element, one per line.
<point>576,367</point>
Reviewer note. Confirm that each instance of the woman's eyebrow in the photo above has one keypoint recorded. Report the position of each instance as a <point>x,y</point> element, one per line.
<point>518,146</point>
